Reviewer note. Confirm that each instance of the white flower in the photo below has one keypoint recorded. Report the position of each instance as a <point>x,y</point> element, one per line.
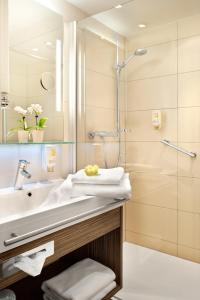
<point>20,110</point>
<point>36,108</point>
<point>30,110</point>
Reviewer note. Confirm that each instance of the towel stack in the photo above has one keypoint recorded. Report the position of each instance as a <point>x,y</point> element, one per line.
<point>85,280</point>
<point>109,183</point>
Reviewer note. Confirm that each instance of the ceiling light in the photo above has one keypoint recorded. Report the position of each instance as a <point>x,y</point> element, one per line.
<point>35,49</point>
<point>118,6</point>
<point>49,44</point>
<point>142,25</point>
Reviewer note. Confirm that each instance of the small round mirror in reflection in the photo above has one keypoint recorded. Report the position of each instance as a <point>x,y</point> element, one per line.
<point>47,81</point>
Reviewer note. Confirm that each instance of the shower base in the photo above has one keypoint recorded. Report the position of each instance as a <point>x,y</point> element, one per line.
<point>152,275</point>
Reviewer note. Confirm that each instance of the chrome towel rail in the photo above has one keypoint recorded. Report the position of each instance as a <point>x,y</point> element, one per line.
<point>191,154</point>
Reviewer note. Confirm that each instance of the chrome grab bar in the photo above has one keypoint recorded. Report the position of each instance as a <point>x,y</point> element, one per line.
<point>191,154</point>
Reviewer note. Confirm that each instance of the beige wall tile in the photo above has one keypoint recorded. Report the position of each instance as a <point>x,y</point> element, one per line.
<point>151,157</point>
<point>14,101</point>
<point>189,229</point>
<point>188,194</point>
<point>18,64</point>
<point>189,166</point>
<point>189,54</point>
<point>149,37</point>
<point>18,86</point>
<point>104,155</point>
<point>189,89</point>
<point>154,189</point>
<point>140,128</point>
<point>110,154</point>
<point>90,153</point>
<point>156,222</point>
<point>102,119</point>
<point>100,90</point>
<point>149,242</point>
<point>189,124</point>
<point>189,253</point>
<point>153,93</point>
<point>100,55</point>
<point>160,60</point>
<point>189,26</point>
<point>99,119</point>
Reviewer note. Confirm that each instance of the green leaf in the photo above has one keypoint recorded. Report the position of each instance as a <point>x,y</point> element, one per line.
<point>41,123</point>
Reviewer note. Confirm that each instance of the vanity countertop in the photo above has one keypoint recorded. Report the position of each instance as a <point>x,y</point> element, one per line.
<point>15,231</point>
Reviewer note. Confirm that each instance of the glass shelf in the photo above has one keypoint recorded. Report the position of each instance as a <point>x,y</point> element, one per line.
<point>43,143</point>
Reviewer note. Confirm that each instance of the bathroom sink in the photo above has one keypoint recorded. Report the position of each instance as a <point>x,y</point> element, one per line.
<point>16,202</point>
<point>28,214</point>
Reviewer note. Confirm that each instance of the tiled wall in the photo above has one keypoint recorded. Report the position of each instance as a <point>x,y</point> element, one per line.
<point>97,104</point>
<point>164,213</point>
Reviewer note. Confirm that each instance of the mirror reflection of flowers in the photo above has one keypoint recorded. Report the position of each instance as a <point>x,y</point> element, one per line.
<point>22,121</point>
<point>22,129</point>
<point>36,110</point>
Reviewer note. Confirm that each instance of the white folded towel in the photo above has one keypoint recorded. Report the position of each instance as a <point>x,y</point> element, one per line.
<point>123,190</point>
<point>105,176</point>
<point>68,190</point>
<point>32,264</point>
<point>82,281</point>
<point>98,296</point>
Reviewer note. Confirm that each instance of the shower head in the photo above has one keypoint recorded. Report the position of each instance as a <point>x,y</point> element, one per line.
<point>140,51</point>
<point>137,52</point>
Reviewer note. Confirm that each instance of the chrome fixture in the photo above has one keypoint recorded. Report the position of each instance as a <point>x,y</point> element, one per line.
<point>137,52</point>
<point>3,106</point>
<point>102,134</point>
<point>119,67</point>
<point>191,154</point>
<point>21,174</point>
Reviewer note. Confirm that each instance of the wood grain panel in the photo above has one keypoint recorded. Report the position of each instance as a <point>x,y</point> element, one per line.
<point>67,240</point>
<point>100,250</point>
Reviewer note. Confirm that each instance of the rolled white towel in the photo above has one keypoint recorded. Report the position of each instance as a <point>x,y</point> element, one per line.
<point>82,281</point>
<point>105,176</point>
<point>98,296</point>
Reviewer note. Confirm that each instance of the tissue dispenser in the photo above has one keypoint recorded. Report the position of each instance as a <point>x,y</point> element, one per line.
<point>7,268</point>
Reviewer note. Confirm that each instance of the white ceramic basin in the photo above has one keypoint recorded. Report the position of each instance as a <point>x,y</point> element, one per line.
<point>27,215</point>
<point>14,203</point>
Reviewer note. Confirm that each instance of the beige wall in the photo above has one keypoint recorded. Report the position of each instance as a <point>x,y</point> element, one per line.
<point>97,100</point>
<point>164,213</point>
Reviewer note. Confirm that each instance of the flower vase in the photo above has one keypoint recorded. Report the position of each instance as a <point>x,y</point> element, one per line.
<point>38,136</point>
<point>23,136</point>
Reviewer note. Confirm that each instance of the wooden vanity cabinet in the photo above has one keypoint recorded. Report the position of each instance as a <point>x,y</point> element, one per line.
<point>99,238</point>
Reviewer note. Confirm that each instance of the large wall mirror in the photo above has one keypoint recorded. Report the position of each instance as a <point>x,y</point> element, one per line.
<point>35,66</point>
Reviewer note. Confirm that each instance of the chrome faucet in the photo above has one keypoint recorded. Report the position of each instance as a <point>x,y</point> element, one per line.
<point>21,174</point>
